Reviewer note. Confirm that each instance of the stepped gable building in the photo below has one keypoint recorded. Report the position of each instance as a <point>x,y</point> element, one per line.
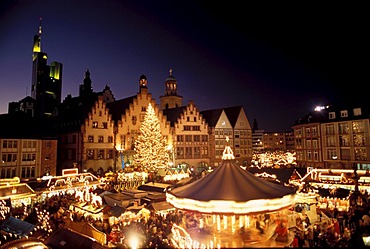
<point>333,137</point>
<point>229,122</point>
<point>190,147</point>
<point>128,114</point>
<point>86,129</point>
<point>95,132</point>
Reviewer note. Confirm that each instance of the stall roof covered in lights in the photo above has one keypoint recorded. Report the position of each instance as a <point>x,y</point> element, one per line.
<point>231,190</point>
<point>69,180</point>
<point>16,191</point>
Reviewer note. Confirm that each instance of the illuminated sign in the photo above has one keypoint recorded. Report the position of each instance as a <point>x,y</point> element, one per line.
<point>66,172</point>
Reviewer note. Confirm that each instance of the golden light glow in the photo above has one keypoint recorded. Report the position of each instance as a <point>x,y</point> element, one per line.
<point>306,197</point>
<point>231,207</point>
<point>9,181</point>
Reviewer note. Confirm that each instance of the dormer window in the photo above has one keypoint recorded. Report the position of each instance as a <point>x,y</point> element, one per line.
<point>357,111</point>
<point>331,115</point>
<point>344,114</point>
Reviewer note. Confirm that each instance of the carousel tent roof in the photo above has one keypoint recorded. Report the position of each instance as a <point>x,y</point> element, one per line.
<point>230,189</point>
<point>232,183</point>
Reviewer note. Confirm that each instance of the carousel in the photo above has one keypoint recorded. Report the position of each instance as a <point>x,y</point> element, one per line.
<point>232,208</point>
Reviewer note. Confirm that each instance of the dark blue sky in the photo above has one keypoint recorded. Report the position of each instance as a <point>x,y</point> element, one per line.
<point>277,59</point>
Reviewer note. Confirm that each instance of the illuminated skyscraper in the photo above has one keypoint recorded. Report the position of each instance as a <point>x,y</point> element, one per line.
<point>46,86</point>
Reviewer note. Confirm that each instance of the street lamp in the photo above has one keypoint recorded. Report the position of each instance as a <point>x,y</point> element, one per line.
<point>115,131</point>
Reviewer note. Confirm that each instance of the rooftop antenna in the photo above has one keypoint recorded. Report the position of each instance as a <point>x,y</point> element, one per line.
<point>40,28</point>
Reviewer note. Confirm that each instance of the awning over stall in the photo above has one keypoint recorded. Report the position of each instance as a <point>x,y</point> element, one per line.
<point>16,226</point>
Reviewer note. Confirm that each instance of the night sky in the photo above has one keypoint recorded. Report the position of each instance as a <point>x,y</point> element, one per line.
<point>277,59</point>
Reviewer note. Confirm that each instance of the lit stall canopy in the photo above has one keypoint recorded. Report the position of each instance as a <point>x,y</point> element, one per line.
<point>231,190</point>
<point>19,194</point>
<point>338,178</point>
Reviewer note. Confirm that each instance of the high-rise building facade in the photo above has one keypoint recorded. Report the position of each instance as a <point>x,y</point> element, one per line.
<point>46,86</point>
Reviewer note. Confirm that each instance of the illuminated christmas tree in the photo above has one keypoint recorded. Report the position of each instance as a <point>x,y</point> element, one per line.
<point>150,146</point>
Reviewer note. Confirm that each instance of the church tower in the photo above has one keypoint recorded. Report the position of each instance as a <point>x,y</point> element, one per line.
<point>46,86</point>
<point>86,86</point>
<point>170,99</point>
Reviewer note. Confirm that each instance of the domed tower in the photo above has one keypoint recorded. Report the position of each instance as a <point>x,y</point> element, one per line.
<point>143,84</point>
<point>170,99</point>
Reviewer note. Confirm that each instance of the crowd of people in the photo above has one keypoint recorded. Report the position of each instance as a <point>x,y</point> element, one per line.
<point>333,228</point>
<point>152,231</point>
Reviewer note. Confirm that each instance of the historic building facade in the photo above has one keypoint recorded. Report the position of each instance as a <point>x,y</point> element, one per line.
<point>333,137</point>
<point>129,114</point>
<point>26,151</point>
<point>105,134</point>
<point>95,132</point>
<point>27,158</point>
<point>233,123</point>
<point>190,146</point>
<point>86,129</point>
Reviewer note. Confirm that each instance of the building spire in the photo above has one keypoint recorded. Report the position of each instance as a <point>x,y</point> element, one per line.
<point>40,27</point>
<point>37,41</point>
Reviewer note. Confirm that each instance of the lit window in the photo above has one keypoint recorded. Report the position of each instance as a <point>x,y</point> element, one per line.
<point>90,154</point>
<point>357,111</point>
<point>100,154</point>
